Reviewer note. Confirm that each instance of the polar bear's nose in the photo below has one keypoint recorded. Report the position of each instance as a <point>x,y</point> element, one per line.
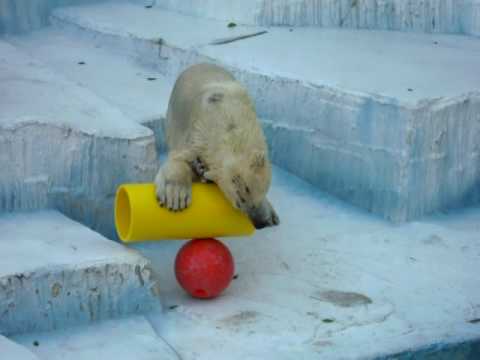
<point>260,225</point>
<point>258,221</point>
<point>263,216</point>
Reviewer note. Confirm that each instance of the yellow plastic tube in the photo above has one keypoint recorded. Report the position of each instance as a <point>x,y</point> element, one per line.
<point>138,217</point>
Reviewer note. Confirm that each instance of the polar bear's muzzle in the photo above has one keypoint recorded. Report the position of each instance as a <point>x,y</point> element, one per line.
<point>263,216</point>
<point>259,223</point>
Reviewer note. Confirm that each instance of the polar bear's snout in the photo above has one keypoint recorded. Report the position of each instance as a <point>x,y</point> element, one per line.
<point>263,216</point>
<point>247,192</point>
<point>259,221</point>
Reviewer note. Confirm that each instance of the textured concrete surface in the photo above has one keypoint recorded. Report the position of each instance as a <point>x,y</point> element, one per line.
<point>11,350</point>
<point>56,273</point>
<point>25,78</point>
<point>381,63</point>
<point>24,16</point>
<point>139,92</point>
<point>124,339</point>
<point>434,16</point>
<point>397,143</point>
<point>430,16</point>
<point>63,146</point>
<point>371,117</point>
<point>333,282</point>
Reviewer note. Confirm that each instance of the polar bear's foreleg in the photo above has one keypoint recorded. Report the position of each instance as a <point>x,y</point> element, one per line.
<point>174,183</point>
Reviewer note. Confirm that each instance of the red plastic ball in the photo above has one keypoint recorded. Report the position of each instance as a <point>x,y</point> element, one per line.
<point>204,268</point>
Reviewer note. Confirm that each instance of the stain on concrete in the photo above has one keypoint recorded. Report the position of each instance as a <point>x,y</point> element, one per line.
<point>434,240</point>
<point>242,318</point>
<point>322,343</point>
<point>313,314</point>
<point>56,289</point>
<point>342,298</point>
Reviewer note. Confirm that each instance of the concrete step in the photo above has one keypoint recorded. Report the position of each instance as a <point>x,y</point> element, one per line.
<point>19,17</point>
<point>450,16</point>
<point>57,273</point>
<point>333,283</point>
<point>435,16</point>
<point>139,92</point>
<point>62,145</point>
<point>384,120</point>
<point>123,339</point>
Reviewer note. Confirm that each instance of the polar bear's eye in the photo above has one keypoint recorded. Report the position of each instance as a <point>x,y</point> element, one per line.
<point>247,190</point>
<point>215,97</point>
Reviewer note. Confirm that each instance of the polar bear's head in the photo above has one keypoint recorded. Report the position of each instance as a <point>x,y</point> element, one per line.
<point>245,181</point>
<point>231,141</point>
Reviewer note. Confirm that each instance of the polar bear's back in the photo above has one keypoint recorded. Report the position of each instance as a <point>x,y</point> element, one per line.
<point>196,76</point>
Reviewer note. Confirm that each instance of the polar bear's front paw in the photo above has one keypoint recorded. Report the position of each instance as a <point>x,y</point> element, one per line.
<point>173,195</point>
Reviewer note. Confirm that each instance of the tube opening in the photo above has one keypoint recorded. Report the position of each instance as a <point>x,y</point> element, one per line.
<point>123,214</point>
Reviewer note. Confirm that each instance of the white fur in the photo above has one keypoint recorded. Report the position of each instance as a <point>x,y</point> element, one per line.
<point>211,121</point>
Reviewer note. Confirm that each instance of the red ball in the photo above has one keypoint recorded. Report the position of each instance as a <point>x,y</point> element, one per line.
<point>204,268</point>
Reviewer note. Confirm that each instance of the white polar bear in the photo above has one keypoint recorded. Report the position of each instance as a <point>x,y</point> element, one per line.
<point>212,133</point>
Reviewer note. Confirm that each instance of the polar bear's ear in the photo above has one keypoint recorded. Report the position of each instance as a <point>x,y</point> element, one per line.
<point>258,161</point>
<point>214,97</point>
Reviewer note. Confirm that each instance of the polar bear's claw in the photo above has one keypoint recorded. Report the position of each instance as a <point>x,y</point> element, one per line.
<point>177,196</point>
<point>174,185</point>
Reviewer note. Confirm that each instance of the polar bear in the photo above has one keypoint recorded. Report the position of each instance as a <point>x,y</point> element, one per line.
<point>212,134</point>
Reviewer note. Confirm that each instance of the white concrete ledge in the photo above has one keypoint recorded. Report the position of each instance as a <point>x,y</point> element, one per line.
<point>437,16</point>
<point>56,273</point>
<point>63,146</point>
<point>363,99</point>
